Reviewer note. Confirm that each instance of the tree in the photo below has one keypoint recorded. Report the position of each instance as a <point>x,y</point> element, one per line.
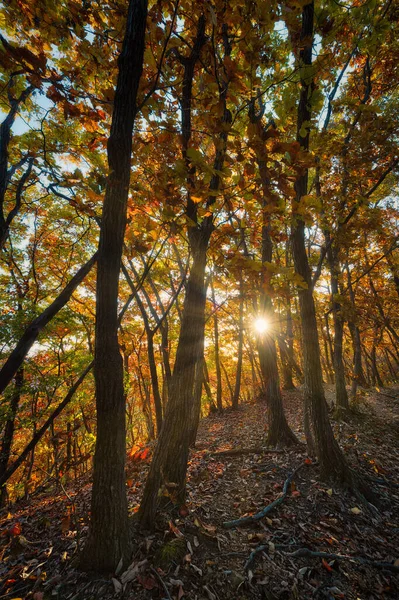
<point>109,541</point>
<point>319,433</point>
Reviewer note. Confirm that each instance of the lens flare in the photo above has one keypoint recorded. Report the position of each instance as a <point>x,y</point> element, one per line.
<point>261,325</point>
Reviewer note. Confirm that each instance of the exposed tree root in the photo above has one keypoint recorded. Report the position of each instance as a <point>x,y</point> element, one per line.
<point>241,451</point>
<point>306,553</point>
<point>265,511</point>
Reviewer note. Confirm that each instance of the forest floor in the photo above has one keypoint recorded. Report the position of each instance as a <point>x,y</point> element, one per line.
<point>192,555</point>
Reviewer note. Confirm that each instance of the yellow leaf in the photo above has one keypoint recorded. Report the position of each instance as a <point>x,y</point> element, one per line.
<point>330,492</point>
<point>355,510</point>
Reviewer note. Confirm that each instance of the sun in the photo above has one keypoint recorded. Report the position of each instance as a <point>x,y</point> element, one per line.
<point>261,325</point>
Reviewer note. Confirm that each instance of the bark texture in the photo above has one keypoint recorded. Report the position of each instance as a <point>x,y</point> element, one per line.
<point>169,464</point>
<point>319,433</point>
<point>108,540</point>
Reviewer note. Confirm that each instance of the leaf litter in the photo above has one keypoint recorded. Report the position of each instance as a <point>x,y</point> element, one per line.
<point>315,542</point>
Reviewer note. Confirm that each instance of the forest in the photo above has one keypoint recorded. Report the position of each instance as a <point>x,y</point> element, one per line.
<point>199,281</point>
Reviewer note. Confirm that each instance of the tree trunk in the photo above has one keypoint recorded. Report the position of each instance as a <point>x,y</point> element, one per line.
<point>8,435</point>
<point>212,406</point>
<point>332,461</point>
<point>40,432</point>
<point>279,433</point>
<point>236,395</point>
<point>287,351</point>
<point>329,371</point>
<point>219,403</point>
<point>31,333</point>
<point>226,375</point>
<point>169,463</point>
<point>376,373</point>
<point>108,540</point>
<point>341,395</point>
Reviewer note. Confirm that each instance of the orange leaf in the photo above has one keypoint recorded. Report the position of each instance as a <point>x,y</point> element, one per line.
<point>326,565</point>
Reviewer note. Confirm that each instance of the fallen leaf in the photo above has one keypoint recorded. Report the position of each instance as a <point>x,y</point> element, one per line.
<point>148,583</point>
<point>15,529</point>
<point>117,585</point>
<point>355,510</point>
<point>175,530</point>
<point>326,565</point>
<point>183,511</point>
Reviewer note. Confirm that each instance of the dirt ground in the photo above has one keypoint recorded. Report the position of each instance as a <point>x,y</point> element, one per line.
<point>191,554</point>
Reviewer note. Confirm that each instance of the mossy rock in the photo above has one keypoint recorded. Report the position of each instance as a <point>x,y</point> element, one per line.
<point>171,552</point>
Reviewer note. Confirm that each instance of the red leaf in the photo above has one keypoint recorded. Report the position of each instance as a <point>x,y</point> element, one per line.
<point>183,511</point>
<point>15,529</point>
<point>326,565</point>
<point>148,583</point>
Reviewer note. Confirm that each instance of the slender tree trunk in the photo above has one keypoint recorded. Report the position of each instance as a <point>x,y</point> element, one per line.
<point>329,371</point>
<point>358,377</point>
<point>330,348</point>
<point>279,432</point>
<point>287,351</point>
<point>207,387</point>
<point>8,435</point>
<point>146,406</point>
<point>389,364</point>
<point>108,540</point>
<point>376,373</point>
<point>394,358</point>
<point>42,430</point>
<point>236,395</point>
<point>227,378</point>
<point>341,395</point>
<point>219,403</point>
<point>154,381</point>
<point>31,333</point>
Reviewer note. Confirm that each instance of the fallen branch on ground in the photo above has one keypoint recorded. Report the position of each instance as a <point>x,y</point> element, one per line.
<point>265,511</point>
<point>262,548</point>
<point>240,451</point>
<point>306,553</point>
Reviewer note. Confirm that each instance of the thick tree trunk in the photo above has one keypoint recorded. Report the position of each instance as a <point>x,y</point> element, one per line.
<point>332,461</point>
<point>169,464</point>
<point>279,432</point>
<point>108,540</point>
